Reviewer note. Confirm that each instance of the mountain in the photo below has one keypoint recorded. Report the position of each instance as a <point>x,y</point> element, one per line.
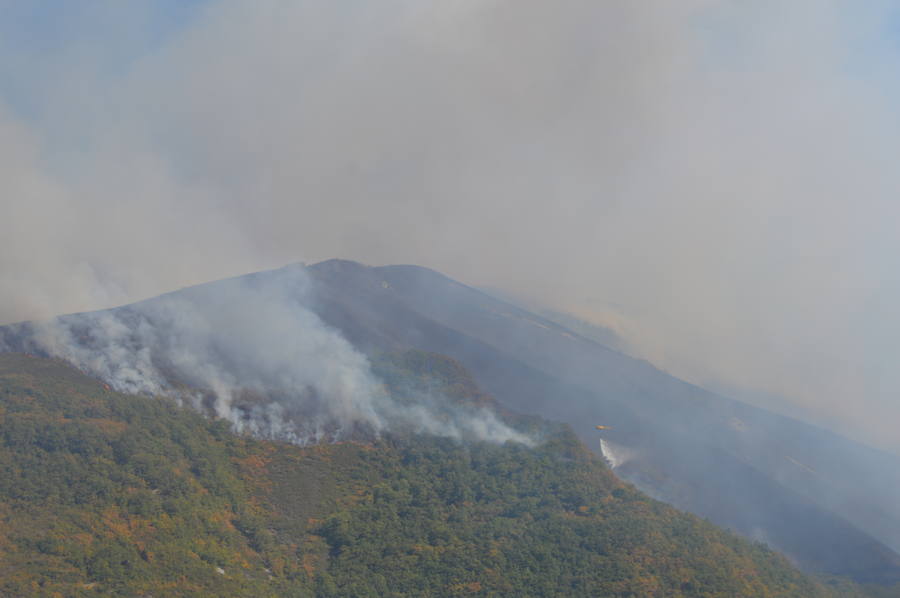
<point>600,334</point>
<point>828,503</point>
<point>107,494</point>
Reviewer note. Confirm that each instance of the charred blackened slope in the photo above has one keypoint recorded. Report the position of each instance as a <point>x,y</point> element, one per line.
<point>826,501</point>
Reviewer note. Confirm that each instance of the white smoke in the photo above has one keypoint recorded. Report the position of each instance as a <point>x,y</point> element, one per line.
<point>247,350</point>
<point>456,422</point>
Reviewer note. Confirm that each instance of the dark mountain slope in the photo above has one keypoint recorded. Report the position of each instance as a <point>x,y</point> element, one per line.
<point>827,502</point>
<point>812,494</point>
<point>106,494</point>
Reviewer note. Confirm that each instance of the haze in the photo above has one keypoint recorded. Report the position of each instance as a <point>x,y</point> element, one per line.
<point>714,180</point>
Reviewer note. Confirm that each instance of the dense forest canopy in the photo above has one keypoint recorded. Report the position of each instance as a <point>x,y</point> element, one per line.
<point>109,494</point>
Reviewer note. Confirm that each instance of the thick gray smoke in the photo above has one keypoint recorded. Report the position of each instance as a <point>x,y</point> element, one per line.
<point>715,179</point>
<point>248,351</point>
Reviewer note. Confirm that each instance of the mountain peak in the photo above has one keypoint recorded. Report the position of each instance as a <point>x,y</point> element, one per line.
<point>337,265</point>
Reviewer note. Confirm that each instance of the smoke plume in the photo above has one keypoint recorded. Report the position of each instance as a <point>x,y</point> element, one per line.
<point>248,351</point>
<point>714,179</point>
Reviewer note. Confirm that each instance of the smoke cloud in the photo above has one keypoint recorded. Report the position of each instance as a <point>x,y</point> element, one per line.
<point>712,178</point>
<point>248,351</point>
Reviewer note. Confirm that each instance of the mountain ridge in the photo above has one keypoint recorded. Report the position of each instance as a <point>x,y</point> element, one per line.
<point>687,446</point>
<point>652,406</point>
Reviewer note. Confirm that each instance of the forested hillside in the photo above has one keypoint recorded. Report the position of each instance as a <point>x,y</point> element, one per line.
<point>104,494</point>
<point>829,503</point>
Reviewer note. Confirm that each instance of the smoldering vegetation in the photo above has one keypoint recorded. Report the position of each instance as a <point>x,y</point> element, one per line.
<point>248,350</point>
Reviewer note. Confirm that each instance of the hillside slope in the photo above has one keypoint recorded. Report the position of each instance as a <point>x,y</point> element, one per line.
<point>107,494</point>
<point>828,502</point>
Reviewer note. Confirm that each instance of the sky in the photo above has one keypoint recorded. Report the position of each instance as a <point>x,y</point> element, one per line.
<point>714,179</point>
